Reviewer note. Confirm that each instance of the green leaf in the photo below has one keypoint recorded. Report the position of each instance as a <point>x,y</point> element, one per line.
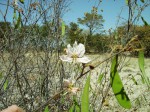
<point>142,1</point>
<point>85,96</point>
<point>63,28</point>
<point>5,85</point>
<point>18,24</point>
<point>145,23</point>
<point>72,109</point>
<point>100,78</point>
<point>141,66</point>
<point>1,75</point>
<point>22,1</point>
<point>15,16</point>
<point>141,62</point>
<point>117,85</point>
<point>75,107</point>
<point>127,2</point>
<point>46,109</point>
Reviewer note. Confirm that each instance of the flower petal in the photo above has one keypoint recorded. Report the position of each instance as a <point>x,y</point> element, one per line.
<point>83,60</point>
<point>66,83</point>
<point>69,50</point>
<point>75,44</point>
<point>74,90</point>
<point>75,48</point>
<point>80,50</point>
<point>66,58</point>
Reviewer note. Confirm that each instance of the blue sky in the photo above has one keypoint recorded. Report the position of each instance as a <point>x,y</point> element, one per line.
<point>111,10</point>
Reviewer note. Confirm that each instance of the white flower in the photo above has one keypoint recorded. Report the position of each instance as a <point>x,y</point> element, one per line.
<point>69,85</point>
<point>73,90</point>
<point>75,54</point>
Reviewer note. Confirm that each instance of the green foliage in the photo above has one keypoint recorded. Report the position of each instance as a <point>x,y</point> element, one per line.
<point>75,107</point>
<point>142,32</point>
<point>93,21</point>
<point>15,15</point>
<point>46,109</point>
<point>141,66</point>
<point>144,35</point>
<point>45,29</point>
<point>145,23</point>
<point>22,1</point>
<point>85,96</point>
<point>5,85</point>
<point>100,43</point>
<point>142,1</point>
<point>72,109</point>
<point>117,85</point>
<point>127,2</point>
<point>1,75</point>
<point>100,78</point>
<point>4,28</point>
<point>74,33</point>
<point>63,28</point>
<point>18,24</point>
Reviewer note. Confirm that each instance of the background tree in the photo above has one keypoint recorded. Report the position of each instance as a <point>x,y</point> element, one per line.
<point>93,21</point>
<point>5,28</point>
<point>74,33</point>
<point>144,34</point>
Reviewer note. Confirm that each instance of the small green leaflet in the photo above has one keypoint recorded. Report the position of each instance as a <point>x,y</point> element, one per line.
<point>46,109</point>
<point>117,85</point>
<point>75,107</point>
<point>5,85</point>
<point>1,75</point>
<point>127,2</point>
<point>18,24</point>
<point>63,28</point>
<point>72,109</point>
<point>145,23</point>
<point>85,96</point>
<point>15,16</point>
<point>141,66</point>
<point>100,78</point>
<point>22,1</point>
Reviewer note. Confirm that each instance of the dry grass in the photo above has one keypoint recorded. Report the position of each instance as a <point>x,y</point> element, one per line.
<point>34,70</point>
